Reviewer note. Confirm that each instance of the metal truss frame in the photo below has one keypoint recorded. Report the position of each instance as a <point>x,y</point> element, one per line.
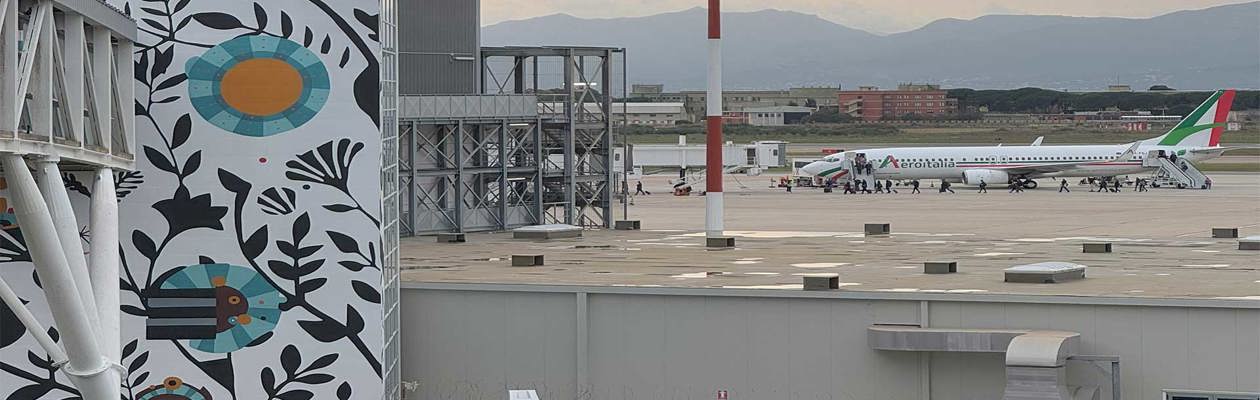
<point>577,125</point>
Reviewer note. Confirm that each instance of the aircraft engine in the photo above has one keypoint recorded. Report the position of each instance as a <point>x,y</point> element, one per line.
<point>990,176</point>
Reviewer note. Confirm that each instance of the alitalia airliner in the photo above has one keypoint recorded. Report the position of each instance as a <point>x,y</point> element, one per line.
<point>1196,138</point>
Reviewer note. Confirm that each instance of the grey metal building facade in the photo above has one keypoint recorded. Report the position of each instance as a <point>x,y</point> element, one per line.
<point>438,46</point>
<point>475,341</point>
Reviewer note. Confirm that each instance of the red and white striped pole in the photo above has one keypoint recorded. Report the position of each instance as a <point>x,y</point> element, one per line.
<point>713,224</point>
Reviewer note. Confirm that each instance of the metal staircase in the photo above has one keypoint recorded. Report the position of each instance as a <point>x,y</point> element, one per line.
<point>1180,174</point>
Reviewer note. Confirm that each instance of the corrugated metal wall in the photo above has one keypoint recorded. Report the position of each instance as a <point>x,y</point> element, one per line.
<point>463,344</point>
<point>438,46</point>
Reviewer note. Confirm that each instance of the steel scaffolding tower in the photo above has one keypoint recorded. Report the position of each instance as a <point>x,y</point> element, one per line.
<point>577,124</point>
<point>517,155</point>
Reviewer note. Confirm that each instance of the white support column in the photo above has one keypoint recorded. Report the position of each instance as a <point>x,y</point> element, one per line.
<point>126,92</point>
<point>32,325</point>
<point>104,263</point>
<point>9,100</point>
<point>72,60</point>
<point>102,82</point>
<point>41,78</point>
<point>67,229</point>
<point>88,371</point>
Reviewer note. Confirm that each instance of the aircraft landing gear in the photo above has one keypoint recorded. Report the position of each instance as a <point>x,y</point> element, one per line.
<point>1026,183</point>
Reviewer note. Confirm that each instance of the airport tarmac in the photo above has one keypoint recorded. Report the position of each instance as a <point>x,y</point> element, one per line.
<point>1162,242</point>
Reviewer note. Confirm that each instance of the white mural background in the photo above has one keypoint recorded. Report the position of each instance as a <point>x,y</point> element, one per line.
<point>295,202</point>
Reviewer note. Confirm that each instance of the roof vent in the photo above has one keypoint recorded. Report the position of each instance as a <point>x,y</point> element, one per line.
<point>1045,272</point>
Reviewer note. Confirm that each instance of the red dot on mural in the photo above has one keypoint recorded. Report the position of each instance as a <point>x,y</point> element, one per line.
<point>262,159</point>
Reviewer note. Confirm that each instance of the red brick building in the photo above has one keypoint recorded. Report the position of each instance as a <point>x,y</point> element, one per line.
<point>868,103</point>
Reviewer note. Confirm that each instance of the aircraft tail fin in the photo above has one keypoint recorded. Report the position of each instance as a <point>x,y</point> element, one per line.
<point>1203,127</point>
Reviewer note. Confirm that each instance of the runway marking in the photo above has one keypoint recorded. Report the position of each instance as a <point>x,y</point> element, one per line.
<point>818,265</point>
<point>995,254</point>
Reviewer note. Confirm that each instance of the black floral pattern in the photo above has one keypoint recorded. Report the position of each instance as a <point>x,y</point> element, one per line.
<point>285,232</point>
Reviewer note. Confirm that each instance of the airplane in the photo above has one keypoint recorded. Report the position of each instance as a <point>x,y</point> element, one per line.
<point>1196,138</point>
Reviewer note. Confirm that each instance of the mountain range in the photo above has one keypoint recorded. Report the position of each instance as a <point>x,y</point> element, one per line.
<point>774,49</point>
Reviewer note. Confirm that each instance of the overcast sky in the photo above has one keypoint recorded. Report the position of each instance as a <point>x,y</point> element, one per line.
<point>879,16</point>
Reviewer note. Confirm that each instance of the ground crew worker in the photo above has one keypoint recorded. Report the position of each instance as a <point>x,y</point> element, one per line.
<point>879,187</point>
<point>638,189</point>
<point>984,187</point>
<point>1117,186</point>
<point>1063,187</point>
<point>945,187</point>
<point>788,185</point>
<point>915,185</point>
<point>848,188</point>
<point>889,187</point>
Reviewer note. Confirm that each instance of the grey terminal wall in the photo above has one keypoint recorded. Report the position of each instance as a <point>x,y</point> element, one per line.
<point>473,341</point>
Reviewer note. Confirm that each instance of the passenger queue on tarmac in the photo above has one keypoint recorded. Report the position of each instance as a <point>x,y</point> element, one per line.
<point>887,186</point>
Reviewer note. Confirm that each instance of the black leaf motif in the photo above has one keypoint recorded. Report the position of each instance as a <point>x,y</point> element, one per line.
<point>339,208</point>
<point>141,67</point>
<point>183,130</point>
<point>326,331</point>
<point>311,285</point>
<point>159,160</point>
<point>126,182</point>
<point>308,37</point>
<point>256,244</point>
<point>366,291</point>
<point>296,394</point>
<point>11,329</point>
<point>38,361</point>
<point>290,359</point>
<point>277,201</point>
<point>183,212</point>
<point>314,379</point>
<point>283,270</point>
<point>367,92</point>
<point>144,244</point>
<point>140,379</point>
<point>326,45</point>
<point>344,391</point>
<point>354,321</point>
<point>286,25</point>
<point>33,391</point>
<point>72,184</point>
<point>133,310</point>
<point>167,100</point>
<point>180,5</point>
<point>328,164</point>
<point>161,61</point>
<point>352,265</point>
<point>171,82</point>
<point>233,183</point>
<point>221,371</point>
<point>301,227</point>
<point>260,339</point>
<point>343,242</point>
<point>322,362</point>
<point>268,379</point>
<point>371,22</point>
<point>218,20</point>
<point>260,15</point>
<point>345,58</point>
<point>191,165</point>
<point>138,362</point>
<point>130,348</point>
<point>205,260</point>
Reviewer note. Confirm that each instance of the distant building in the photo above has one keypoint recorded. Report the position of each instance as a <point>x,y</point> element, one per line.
<point>645,114</point>
<point>740,100</point>
<point>868,103</point>
<point>1119,88</point>
<point>777,115</point>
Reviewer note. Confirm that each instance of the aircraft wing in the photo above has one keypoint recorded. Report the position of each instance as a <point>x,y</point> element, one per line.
<point>1221,149</point>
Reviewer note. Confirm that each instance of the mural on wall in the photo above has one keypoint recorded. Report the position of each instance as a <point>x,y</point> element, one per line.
<point>252,228</point>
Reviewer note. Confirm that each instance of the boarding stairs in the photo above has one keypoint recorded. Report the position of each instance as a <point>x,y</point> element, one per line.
<point>1179,174</point>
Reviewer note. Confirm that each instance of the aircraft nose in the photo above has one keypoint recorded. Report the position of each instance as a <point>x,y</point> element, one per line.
<point>815,168</point>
